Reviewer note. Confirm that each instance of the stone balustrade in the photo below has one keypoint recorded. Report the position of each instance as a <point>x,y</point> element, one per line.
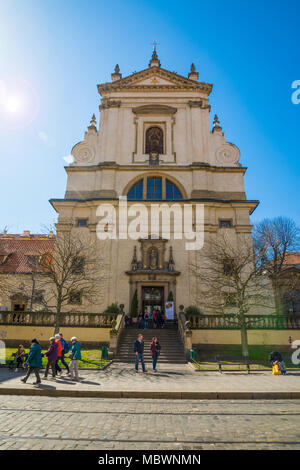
<point>98,320</point>
<point>231,322</point>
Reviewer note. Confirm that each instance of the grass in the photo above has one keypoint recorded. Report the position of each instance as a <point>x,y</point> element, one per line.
<point>93,356</point>
<point>206,359</point>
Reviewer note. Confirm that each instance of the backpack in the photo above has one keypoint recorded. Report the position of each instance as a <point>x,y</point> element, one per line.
<point>66,347</point>
<point>275,370</point>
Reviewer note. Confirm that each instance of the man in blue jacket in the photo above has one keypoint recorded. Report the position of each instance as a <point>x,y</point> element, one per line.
<point>34,361</point>
<point>138,348</point>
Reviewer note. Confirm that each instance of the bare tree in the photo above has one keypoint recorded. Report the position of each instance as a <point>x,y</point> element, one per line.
<point>232,282</point>
<point>5,279</point>
<point>272,240</point>
<point>74,271</point>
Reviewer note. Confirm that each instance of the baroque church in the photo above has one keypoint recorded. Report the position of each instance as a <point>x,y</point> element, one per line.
<point>154,145</point>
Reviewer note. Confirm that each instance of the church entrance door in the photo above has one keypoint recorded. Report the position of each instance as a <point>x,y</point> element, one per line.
<point>152,299</point>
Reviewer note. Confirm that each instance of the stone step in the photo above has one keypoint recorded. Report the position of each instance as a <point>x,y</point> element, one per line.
<point>149,360</point>
<point>170,340</point>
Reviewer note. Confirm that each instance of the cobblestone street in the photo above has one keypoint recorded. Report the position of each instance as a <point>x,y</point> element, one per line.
<point>103,424</point>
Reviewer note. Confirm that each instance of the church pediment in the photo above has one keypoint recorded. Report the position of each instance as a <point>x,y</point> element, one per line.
<point>152,78</point>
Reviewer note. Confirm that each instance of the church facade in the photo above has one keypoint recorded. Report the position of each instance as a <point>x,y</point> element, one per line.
<point>154,145</point>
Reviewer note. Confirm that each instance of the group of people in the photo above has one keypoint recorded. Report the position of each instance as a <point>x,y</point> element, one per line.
<point>138,349</point>
<point>55,353</point>
<point>154,319</point>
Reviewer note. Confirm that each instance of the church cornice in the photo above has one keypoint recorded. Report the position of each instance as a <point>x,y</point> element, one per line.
<point>145,167</point>
<point>179,82</point>
<point>93,202</point>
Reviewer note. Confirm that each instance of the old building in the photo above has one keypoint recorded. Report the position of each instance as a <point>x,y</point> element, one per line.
<point>20,270</point>
<point>289,284</point>
<point>154,145</point>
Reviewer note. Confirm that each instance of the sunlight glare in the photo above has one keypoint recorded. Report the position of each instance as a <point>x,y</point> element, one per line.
<point>12,104</point>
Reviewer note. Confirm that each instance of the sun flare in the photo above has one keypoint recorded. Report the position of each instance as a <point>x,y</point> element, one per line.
<point>12,104</point>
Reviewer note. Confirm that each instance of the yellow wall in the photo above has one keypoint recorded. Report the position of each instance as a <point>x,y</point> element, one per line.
<point>43,333</point>
<point>262,337</point>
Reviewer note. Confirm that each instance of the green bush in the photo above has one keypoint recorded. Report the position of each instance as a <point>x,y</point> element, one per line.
<point>170,297</point>
<point>113,308</point>
<point>134,305</point>
<point>192,310</point>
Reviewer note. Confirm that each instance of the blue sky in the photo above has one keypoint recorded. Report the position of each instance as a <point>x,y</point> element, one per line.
<point>53,53</point>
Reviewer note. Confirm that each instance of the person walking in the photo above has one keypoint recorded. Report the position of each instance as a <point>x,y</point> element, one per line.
<point>155,349</point>
<point>140,321</point>
<point>51,354</point>
<point>146,320</point>
<point>75,357</point>
<point>34,361</point>
<point>138,348</point>
<point>154,317</point>
<point>65,349</point>
<point>59,352</point>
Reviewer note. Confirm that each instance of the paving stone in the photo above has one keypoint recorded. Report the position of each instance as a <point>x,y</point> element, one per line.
<point>145,424</point>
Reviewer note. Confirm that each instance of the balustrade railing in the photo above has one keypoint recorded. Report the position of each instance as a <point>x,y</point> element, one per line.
<point>100,320</point>
<point>253,322</point>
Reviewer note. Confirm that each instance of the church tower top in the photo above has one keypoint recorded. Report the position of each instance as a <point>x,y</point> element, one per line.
<point>154,62</point>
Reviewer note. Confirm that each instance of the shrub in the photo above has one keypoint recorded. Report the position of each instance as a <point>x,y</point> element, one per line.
<point>113,308</point>
<point>134,305</point>
<point>192,310</point>
<point>170,297</point>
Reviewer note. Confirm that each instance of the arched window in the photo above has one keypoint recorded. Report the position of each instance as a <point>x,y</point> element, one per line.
<point>156,189</point>
<point>136,192</point>
<point>155,140</point>
<point>172,192</point>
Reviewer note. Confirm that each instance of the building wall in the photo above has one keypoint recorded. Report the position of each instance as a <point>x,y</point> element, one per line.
<point>233,337</point>
<point>24,334</point>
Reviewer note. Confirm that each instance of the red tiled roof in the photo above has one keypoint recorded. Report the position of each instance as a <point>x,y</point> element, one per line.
<point>16,250</point>
<point>292,258</point>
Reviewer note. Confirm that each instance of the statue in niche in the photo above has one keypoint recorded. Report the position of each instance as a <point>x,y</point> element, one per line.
<point>153,259</point>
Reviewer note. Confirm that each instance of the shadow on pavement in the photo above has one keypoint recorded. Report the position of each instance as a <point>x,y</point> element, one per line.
<point>88,382</point>
<point>66,381</point>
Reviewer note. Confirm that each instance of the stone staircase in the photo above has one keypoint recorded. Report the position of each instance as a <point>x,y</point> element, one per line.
<point>172,348</point>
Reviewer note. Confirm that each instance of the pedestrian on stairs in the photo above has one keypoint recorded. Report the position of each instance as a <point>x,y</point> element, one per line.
<point>138,348</point>
<point>154,316</point>
<point>155,348</point>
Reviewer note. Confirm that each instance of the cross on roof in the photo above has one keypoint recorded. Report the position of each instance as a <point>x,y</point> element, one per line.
<point>154,44</point>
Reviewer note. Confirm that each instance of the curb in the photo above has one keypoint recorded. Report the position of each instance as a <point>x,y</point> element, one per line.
<point>153,395</point>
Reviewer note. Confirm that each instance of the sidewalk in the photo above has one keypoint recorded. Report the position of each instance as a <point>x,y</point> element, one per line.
<point>171,381</point>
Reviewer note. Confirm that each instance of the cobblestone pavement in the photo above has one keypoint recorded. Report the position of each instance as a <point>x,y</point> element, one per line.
<point>103,424</point>
<point>174,377</point>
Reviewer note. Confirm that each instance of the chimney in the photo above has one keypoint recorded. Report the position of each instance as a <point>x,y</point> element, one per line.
<point>26,233</point>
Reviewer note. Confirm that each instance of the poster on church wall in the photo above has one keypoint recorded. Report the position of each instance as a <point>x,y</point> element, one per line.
<point>169,310</point>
